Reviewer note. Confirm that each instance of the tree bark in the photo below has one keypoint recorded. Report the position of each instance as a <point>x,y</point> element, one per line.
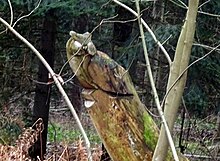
<point>43,92</point>
<point>180,63</point>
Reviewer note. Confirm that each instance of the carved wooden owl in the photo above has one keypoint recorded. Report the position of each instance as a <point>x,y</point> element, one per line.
<point>97,71</point>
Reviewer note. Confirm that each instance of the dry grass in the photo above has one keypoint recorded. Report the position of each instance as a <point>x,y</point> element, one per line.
<point>19,152</point>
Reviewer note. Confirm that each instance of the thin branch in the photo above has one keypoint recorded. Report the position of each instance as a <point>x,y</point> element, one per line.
<point>103,21</point>
<point>38,4</point>
<point>11,19</point>
<point>166,40</point>
<point>178,78</point>
<point>59,86</point>
<point>204,3</point>
<point>209,14</point>
<point>182,5</point>
<point>148,29</point>
<point>61,70</point>
<point>11,11</point>
<point>119,21</point>
<point>156,97</point>
<point>179,5</point>
<point>77,68</point>
<point>207,47</point>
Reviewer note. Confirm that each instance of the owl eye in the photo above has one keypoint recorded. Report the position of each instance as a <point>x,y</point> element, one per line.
<point>77,44</point>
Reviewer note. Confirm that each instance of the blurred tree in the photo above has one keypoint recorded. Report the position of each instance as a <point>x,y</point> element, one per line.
<point>43,92</point>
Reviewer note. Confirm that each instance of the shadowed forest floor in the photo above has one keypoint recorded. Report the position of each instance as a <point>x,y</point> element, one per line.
<point>65,141</point>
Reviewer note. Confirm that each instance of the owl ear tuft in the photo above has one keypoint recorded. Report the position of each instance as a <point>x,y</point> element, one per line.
<point>72,33</point>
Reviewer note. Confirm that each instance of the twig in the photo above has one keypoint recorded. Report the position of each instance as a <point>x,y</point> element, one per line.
<point>209,14</point>
<point>205,157</point>
<point>11,19</point>
<point>207,47</point>
<point>62,68</point>
<point>178,78</point>
<point>148,29</point>
<point>59,86</point>
<point>182,5</point>
<point>156,98</point>
<point>76,69</point>
<point>38,4</point>
<point>204,3</point>
<point>120,21</point>
<point>11,11</point>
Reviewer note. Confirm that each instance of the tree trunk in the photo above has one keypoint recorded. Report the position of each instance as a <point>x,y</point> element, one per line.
<point>43,92</point>
<point>181,61</point>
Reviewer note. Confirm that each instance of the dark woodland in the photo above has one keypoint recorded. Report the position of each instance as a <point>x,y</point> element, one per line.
<point>28,93</point>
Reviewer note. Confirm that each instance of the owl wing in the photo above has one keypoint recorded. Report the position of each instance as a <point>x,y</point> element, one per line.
<point>108,75</point>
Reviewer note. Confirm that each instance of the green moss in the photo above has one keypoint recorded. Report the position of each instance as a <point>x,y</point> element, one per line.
<point>150,132</point>
<point>121,150</point>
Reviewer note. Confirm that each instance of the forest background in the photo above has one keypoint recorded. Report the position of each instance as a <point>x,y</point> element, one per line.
<point>118,36</point>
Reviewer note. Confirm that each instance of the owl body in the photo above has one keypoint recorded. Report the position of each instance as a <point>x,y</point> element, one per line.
<point>97,70</point>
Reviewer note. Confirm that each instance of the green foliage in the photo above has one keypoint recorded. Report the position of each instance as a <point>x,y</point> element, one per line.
<point>9,130</point>
<point>73,7</point>
<point>196,100</point>
<point>58,133</point>
<point>165,33</point>
<point>204,83</point>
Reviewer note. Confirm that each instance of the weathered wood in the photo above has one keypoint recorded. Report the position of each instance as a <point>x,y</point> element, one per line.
<point>121,120</point>
<point>118,114</point>
<point>127,130</point>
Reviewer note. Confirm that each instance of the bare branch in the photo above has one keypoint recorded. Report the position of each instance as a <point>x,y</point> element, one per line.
<point>38,4</point>
<point>209,14</point>
<point>207,47</point>
<point>11,19</point>
<point>204,3</point>
<point>11,11</point>
<point>177,79</point>
<point>148,29</point>
<point>182,5</point>
<point>156,97</point>
<point>76,69</point>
